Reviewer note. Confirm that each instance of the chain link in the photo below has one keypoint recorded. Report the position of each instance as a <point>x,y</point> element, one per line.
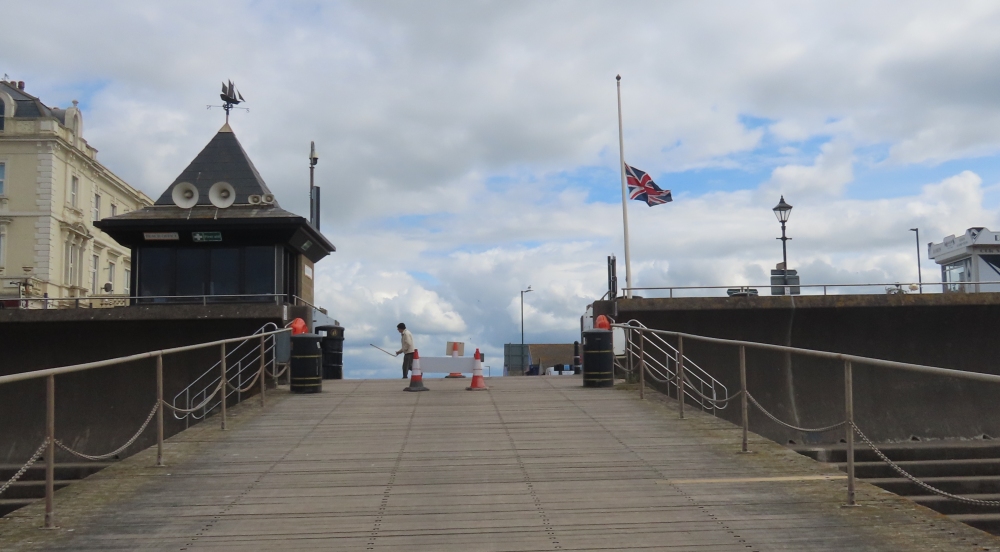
<point>918,482</point>
<point>802,429</point>
<point>248,387</point>
<point>195,409</point>
<point>116,451</point>
<point>279,374</point>
<point>34,458</point>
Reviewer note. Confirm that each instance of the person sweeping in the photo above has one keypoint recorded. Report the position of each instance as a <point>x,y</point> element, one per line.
<point>406,342</point>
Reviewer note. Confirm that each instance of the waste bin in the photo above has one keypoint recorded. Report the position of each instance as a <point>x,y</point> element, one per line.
<point>598,359</point>
<point>306,375</point>
<point>332,345</point>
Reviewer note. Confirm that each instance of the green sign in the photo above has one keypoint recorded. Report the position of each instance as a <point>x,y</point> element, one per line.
<point>201,237</point>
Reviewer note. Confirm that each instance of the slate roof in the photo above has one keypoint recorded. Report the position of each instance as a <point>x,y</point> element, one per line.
<point>223,159</point>
<point>30,107</point>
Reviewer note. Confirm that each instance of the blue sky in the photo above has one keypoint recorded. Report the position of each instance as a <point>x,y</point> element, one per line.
<point>467,151</point>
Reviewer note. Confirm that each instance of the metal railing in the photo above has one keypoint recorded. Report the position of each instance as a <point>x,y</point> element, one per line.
<point>241,359</point>
<point>50,443</point>
<point>848,422</point>
<point>891,288</point>
<point>113,301</point>
<point>650,348</point>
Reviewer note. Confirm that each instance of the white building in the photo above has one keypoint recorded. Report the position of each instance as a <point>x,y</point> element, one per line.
<point>52,189</point>
<point>967,259</point>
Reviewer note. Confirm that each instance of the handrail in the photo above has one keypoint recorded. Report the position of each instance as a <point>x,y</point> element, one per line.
<point>50,442</point>
<point>848,423</point>
<point>298,300</point>
<point>897,285</point>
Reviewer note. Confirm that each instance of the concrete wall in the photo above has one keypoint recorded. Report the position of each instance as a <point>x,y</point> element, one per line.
<point>955,331</point>
<point>98,410</point>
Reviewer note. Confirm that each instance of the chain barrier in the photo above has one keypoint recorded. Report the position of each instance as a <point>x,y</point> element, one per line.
<point>802,429</point>
<point>711,400</point>
<point>918,482</point>
<point>279,374</point>
<point>197,408</point>
<point>248,387</point>
<point>117,451</point>
<point>34,458</point>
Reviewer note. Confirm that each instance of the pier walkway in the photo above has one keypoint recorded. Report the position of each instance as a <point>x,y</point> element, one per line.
<point>533,464</point>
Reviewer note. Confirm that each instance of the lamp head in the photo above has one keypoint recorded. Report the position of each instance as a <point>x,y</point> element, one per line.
<point>782,210</point>
<point>313,158</point>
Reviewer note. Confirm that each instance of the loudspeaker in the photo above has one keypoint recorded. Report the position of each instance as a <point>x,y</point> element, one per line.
<point>185,195</point>
<point>222,194</point>
<point>267,198</point>
<point>254,199</point>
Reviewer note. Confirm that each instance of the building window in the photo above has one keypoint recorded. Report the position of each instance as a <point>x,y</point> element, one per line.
<point>97,207</point>
<point>111,274</point>
<point>954,274</point>
<point>3,245</point>
<point>3,177</point>
<point>74,191</point>
<point>114,209</point>
<point>128,282</point>
<point>94,263</point>
<point>72,264</point>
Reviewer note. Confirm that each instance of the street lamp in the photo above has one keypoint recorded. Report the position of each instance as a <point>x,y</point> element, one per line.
<point>920,278</point>
<point>523,291</point>
<point>782,210</point>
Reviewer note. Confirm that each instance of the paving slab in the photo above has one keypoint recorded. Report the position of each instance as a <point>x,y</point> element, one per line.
<point>535,463</point>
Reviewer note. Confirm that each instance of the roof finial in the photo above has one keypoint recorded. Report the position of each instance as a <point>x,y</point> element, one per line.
<point>231,97</point>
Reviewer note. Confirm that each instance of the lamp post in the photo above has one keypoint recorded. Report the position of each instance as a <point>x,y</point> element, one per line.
<point>523,291</point>
<point>313,199</point>
<point>782,210</point>
<point>920,278</point>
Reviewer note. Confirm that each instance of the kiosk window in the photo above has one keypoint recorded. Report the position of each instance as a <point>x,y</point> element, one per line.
<point>259,270</point>
<point>225,279</point>
<point>192,271</point>
<point>155,271</point>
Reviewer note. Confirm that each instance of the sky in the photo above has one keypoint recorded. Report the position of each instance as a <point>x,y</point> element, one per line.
<point>470,149</point>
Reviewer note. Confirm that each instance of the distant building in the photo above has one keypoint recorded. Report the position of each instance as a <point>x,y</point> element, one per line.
<point>968,259</point>
<point>52,189</point>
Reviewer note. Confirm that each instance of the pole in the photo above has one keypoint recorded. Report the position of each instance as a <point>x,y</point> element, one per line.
<point>159,410</point>
<point>223,383</point>
<point>920,278</point>
<point>50,452</point>
<point>523,370</point>
<point>262,385</point>
<point>680,375</point>
<point>784,257</point>
<point>743,396</point>
<point>621,156</point>
<point>849,409</point>
<point>642,367</point>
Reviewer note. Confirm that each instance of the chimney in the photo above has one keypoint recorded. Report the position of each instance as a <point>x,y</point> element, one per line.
<point>20,85</point>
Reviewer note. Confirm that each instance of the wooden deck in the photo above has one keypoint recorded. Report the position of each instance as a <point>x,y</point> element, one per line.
<point>536,463</point>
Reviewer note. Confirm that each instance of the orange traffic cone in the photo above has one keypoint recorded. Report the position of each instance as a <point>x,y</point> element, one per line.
<point>478,383</point>
<point>454,354</point>
<point>416,376</point>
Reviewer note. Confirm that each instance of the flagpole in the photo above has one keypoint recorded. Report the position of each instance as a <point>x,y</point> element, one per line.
<point>621,154</point>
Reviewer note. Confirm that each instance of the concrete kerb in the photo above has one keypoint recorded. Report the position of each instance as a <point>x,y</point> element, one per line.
<point>83,500</point>
<point>876,509</point>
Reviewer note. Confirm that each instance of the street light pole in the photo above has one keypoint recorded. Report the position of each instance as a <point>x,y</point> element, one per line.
<point>920,278</point>
<point>783,210</point>
<point>523,291</point>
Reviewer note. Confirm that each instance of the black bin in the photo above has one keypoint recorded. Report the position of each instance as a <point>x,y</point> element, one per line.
<point>598,359</point>
<point>332,345</point>
<point>306,376</point>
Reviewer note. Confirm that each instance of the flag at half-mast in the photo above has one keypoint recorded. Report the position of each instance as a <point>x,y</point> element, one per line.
<point>642,187</point>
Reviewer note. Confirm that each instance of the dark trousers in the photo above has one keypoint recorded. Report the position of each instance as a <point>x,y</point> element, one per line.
<point>407,364</point>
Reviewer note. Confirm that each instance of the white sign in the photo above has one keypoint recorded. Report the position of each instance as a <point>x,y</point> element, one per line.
<point>309,272</point>
<point>160,236</point>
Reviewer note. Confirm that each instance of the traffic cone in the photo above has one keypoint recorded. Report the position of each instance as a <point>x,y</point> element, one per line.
<point>416,376</point>
<point>454,354</point>
<point>478,383</point>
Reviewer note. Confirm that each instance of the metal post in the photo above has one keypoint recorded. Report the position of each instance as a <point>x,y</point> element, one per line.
<point>920,277</point>
<point>680,375</point>
<point>784,256</point>
<point>50,452</point>
<point>262,372</point>
<point>743,396</point>
<point>642,367</point>
<point>849,408</point>
<point>621,160</point>
<point>159,410</point>
<point>222,383</point>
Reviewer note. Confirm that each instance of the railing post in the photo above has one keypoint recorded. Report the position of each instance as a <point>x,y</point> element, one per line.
<point>159,410</point>
<point>849,408</point>
<point>50,452</point>
<point>262,372</point>
<point>223,385</point>
<point>642,366</point>
<point>680,375</point>
<point>743,397</point>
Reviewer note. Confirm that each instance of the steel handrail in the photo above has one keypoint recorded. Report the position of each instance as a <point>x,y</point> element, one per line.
<point>207,408</point>
<point>920,286</point>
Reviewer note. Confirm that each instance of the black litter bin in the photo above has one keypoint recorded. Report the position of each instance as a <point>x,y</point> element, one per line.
<point>598,359</point>
<point>333,351</point>
<point>306,375</point>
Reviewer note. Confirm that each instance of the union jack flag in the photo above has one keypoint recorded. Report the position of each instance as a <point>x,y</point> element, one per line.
<point>642,187</point>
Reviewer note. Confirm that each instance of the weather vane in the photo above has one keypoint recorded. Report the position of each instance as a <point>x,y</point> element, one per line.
<point>231,97</point>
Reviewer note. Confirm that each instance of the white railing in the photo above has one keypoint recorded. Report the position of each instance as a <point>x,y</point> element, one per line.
<point>890,288</point>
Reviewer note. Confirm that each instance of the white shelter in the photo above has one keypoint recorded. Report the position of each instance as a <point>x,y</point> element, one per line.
<point>968,259</point>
